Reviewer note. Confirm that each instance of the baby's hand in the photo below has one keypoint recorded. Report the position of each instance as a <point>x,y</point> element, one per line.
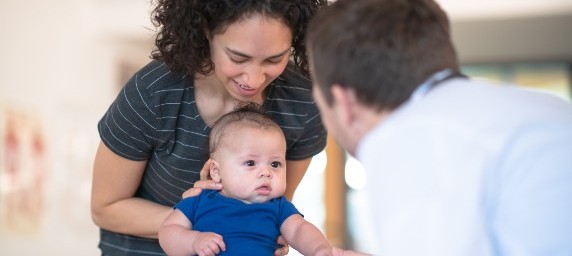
<point>334,251</point>
<point>340,252</point>
<point>208,244</point>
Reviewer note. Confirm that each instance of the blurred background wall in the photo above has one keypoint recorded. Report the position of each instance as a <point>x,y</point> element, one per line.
<point>63,61</point>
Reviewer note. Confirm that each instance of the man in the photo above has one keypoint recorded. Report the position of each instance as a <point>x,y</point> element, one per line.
<point>455,166</point>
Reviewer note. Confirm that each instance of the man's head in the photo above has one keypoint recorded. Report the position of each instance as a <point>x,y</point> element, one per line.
<point>249,156</point>
<point>376,51</point>
<point>383,49</point>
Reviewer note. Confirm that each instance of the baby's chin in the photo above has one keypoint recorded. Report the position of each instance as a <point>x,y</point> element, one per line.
<point>258,199</point>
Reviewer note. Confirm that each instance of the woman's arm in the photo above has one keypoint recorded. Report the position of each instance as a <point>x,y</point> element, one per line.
<point>113,205</point>
<point>295,170</point>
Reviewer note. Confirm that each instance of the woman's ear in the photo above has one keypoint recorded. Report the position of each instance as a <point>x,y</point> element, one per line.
<point>215,171</point>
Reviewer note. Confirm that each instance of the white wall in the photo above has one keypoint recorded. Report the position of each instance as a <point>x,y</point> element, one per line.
<point>59,61</point>
<point>536,38</point>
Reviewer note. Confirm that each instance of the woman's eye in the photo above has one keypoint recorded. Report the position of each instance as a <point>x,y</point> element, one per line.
<point>274,61</point>
<point>237,61</point>
<point>276,164</point>
<point>249,163</point>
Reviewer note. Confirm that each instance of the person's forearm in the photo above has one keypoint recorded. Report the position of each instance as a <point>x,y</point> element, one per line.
<point>133,216</point>
<point>296,169</point>
<point>304,236</point>
<point>310,240</point>
<point>115,181</point>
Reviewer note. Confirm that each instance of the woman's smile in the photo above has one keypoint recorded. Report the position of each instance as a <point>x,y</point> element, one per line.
<point>245,90</point>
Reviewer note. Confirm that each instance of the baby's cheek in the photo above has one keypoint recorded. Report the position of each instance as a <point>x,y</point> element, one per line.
<point>280,188</point>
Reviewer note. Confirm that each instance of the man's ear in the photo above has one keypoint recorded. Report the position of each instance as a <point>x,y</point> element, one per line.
<point>215,171</point>
<point>344,103</point>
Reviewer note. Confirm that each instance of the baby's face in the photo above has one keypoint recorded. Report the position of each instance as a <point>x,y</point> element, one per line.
<point>252,163</point>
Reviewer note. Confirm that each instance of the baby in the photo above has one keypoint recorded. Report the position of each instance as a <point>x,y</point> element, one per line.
<point>250,212</point>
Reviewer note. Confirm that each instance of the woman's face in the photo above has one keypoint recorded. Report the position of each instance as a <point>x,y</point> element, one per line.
<point>249,54</point>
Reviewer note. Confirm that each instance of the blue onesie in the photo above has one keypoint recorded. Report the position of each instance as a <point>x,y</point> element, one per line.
<point>247,229</point>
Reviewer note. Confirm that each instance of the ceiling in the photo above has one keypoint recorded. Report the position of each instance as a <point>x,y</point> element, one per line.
<point>504,9</point>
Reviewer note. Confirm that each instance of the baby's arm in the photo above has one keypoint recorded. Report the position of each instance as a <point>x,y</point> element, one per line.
<point>308,239</point>
<point>305,237</point>
<point>177,238</point>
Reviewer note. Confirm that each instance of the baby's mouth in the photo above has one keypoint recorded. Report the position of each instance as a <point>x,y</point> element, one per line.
<point>264,190</point>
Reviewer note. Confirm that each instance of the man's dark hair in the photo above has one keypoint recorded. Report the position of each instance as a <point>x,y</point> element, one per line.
<point>383,49</point>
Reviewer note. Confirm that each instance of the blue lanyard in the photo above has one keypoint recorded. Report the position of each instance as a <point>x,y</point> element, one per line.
<point>430,83</point>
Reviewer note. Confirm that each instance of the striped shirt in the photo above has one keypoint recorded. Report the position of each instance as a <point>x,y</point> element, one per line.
<point>155,118</point>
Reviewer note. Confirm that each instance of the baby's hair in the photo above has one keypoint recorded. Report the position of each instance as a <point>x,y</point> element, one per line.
<point>251,114</point>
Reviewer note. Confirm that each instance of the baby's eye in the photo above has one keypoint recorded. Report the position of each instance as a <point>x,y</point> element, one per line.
<point>249,163</point>
<point>276,164</point>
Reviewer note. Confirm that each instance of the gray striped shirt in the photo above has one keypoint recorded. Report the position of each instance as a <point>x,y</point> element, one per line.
<point>155,118</point>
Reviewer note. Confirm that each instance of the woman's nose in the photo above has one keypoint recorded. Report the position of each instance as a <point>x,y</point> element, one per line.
<point>255,77</point>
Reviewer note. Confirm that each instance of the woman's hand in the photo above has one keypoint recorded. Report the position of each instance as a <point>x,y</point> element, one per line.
<point>204,183</point>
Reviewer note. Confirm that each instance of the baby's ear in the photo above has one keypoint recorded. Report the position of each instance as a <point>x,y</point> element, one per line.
<point>215,171</point>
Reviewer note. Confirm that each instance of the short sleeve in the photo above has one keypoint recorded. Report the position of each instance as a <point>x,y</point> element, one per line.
<point>188,206</point>
<point>312,141</point>
<point>287,209</point>
<point>128,126</point>
<point>291,104</point>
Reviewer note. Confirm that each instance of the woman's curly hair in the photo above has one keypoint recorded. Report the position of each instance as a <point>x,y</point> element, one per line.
<point>183,26</point>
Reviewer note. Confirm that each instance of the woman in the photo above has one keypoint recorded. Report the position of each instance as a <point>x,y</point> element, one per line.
<point>211,57</point>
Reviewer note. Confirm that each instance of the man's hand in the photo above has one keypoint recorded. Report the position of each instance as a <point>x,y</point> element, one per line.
<point>204,183</point>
